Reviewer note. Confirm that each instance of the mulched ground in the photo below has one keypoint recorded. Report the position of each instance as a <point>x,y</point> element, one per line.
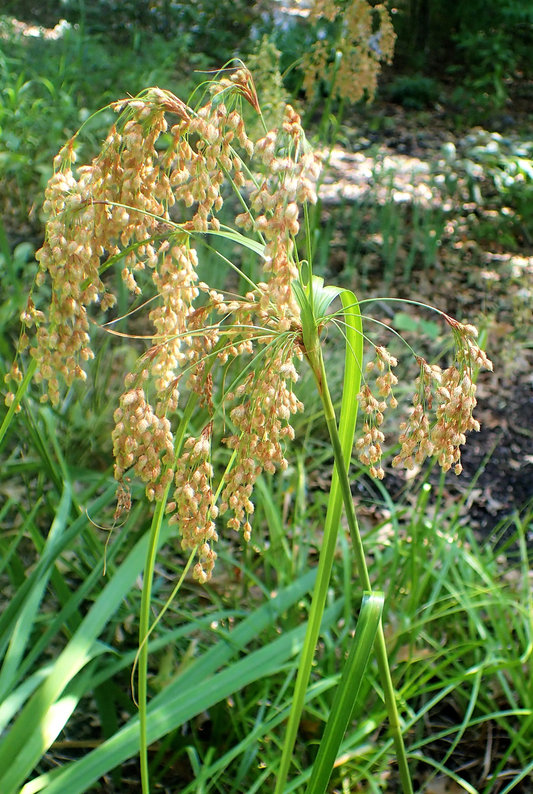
<point>502,456</point>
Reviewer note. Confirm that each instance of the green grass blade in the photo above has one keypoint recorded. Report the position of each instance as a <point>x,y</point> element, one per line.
<point>7,554</point>
<point>108,670</point>
<point>246,242</point>
<point>5,250</point>
<point>16,699</point>
<point>24,625</point>
<point>347,691</point>
<point>449,773</point>
<point>77,654</point>
<point>83,591</point>
<point>21,391</point>
<point>48,558</point>
<point>277,715</point>
<point>342,460</point>
<point>352,382</point>
<point>198,688</point>
<point>49,727</point>
<point>20,637</point>
<point>518,779</point>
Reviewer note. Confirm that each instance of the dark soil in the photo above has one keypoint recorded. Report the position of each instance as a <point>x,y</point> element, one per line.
<point>501,455</point>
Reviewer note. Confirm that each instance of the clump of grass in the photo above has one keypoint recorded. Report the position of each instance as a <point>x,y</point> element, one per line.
<point>121,210</point>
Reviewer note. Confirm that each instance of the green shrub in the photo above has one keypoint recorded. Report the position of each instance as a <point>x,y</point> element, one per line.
<point>415,92</point>
<point>482,42</point>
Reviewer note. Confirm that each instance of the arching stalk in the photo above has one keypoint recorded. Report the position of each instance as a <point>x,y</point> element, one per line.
<point>380,647</point>
<point>313,305</point>
<point>148,576</point>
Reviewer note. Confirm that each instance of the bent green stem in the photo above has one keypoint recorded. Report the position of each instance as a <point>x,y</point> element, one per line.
<point>144,626</point>
<point>342,442</point>
<point>144,621</point>
<point>352,379</point>
<point>380,645</point>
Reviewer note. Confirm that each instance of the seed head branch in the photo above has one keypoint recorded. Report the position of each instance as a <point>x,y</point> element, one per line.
<point>142,206</point>
<point>146,206</point>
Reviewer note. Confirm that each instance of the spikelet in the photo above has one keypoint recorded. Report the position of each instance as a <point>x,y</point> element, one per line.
<point>193,507</point>
<point>368,446</point>
<point>262,426</point>
<point>452,391</point>
<point>291,170</point>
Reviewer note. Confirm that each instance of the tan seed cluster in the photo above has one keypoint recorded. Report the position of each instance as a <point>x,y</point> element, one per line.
<point>15,376</point>
<point>193,507</point>
<point>197,174</point>
<point>369,445</point>
<point>117,203</point>
<point>262,424</point>
<point>453,391</point>
<point>449,394</point>
<point>118,210</point>
<point>176,280</point>
<point>142,440</point>
<point>265,65</point>
<point>123,499</point>
<point>365,39</point>
<point>86,223</point>
<point>241,81</point>
<point>292,170</point>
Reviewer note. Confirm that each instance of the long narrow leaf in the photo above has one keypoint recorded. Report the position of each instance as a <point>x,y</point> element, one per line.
<point>75,656</point>
<point>16,699</point>
<point>48,558</point>
<point>198,688</point>
<point>50,726</point>
<point>24,625</point>
<point>347,691</point>
<point>352,381</point>
<point>83,592</point>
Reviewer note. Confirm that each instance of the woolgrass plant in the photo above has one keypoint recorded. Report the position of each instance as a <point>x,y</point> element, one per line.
<point>147,205</point>
<point>360,38</point>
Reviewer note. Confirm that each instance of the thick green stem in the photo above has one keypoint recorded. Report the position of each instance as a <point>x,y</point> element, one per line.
<point>380,646</point>
<point>325,565</point>
<point>144,625</point>
<point>354,354</point>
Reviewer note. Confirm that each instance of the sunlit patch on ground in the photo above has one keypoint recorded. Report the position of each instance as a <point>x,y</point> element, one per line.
<point>385,176</point>
<point>36,32</point>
